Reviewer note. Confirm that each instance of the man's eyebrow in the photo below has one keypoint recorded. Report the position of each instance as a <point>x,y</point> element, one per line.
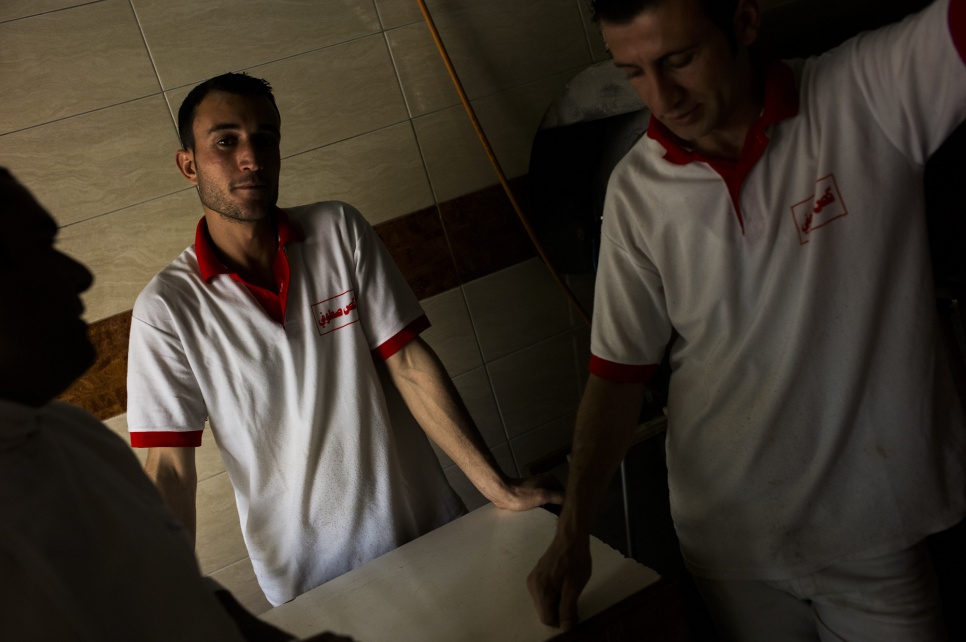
<point>221,127</point>
<point>660,60</point>
<point>231,127</point>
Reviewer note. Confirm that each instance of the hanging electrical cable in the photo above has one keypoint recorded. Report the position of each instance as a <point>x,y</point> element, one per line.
<point>496,163</point>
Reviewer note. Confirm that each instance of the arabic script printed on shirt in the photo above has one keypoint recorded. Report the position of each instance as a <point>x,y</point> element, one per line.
<point>328,316</point>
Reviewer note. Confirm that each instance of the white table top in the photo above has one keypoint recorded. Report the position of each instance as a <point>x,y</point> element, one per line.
<point>465,581</point>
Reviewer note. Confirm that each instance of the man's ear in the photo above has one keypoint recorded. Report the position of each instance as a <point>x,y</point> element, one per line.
<point>747,20</point>
<point>185,159</point>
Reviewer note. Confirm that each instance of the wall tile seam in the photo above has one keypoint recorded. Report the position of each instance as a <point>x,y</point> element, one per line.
<point>226,566</point>
<point>132,205</point>
<point>83,113</point>
<point>551,337</point>
<point>273,61</point>
<point>584,26</point>
<point>502,90</point>
<point>147,48</point>
<point>348,138</point>
<point>208,433</point>
<point>395,70</point>
<point>44,13</point>
<point>469,316</point>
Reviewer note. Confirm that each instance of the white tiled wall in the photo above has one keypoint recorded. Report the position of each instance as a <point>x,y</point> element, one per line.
<point>87,122</point>
<point>369,115</point>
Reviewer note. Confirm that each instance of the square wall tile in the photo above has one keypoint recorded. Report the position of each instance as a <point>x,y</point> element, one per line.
<point>498,44</point>
<point>452,336</point>
<point>15,9</point>
<point>477,393</point>
<point>219,541</point>
<point>126,248</point>
<point>102,389</point>
<point>422,73</point>
<point>65,63</point>
<point>545,443</point>
<point>536,385</point>
<point>328,95</point>
<point>191,41</point>
<point>380,173</point>
<point>455,158</point>
<point>394,13</point>
<point>464,487</point>
<point>516,308</point>
<point>420,249</point>
<point>512,117</point>
<point>485,232</point>
<point>99,162</point>
<point>239,578</point>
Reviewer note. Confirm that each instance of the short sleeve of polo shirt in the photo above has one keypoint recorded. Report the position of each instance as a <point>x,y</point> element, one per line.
<point>631,327</point>
<point>163,392</point>
<point>389,310</point>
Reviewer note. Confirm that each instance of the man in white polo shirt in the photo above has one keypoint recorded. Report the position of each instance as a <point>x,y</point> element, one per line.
<point>271,326</point>
<point>773,217</point>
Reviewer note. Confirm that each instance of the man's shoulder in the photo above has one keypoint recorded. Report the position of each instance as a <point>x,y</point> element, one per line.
<point>321,212</point>
<point>326,219</point>
<point>176,280</point>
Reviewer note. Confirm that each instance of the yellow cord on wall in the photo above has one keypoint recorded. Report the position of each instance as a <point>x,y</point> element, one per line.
<point>496,163</point>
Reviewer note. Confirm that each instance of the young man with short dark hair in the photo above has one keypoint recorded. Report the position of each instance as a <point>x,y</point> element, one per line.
<point>275,326</point>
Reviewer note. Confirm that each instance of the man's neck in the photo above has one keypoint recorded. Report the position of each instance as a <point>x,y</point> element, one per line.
<point>728,141</point>
<point>245,247</point>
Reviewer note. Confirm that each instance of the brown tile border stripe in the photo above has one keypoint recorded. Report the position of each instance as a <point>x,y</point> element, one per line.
<point>437,249</point>
<point>102,390</point>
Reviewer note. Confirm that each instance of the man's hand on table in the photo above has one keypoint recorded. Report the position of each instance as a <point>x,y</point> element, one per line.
<point>558,578</point>
<point>529,492</point>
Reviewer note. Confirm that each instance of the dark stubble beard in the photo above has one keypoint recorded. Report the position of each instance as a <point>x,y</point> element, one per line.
<point>218,201</point>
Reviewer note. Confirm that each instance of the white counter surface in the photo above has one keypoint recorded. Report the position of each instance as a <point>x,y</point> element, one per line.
<point>463,582</point>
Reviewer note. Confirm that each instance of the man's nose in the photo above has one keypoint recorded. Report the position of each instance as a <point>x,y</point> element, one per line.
<point>663,94</point>
<point>249,156</point>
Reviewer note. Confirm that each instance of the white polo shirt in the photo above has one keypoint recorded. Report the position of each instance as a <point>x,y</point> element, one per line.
<point>812,413</point>
<point>88,551</point>
<point>323,479</point>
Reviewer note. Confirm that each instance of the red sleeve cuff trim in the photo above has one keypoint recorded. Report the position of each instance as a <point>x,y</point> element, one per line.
<point>621,372</point>
<point>957,26</point>
<point>166,439</point>
<point>401,338</point>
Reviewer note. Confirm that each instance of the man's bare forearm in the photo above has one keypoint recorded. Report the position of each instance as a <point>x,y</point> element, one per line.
<point>429,393</point>
<point>606,421</point>
<point>174,474</point>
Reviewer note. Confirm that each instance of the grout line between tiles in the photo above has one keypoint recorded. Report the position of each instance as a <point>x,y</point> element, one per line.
<point>44,13</point>
<point>583,25</point>
<point>126,207</point>
<point>395,68</point>
<point>83,113</point>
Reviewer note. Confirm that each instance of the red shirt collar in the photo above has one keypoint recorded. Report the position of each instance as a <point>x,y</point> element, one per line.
<point>208,261</point>
<point>781,102</point>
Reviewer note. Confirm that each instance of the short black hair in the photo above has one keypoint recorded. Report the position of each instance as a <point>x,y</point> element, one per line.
<point>621,12</point>
<point>238,83</point>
